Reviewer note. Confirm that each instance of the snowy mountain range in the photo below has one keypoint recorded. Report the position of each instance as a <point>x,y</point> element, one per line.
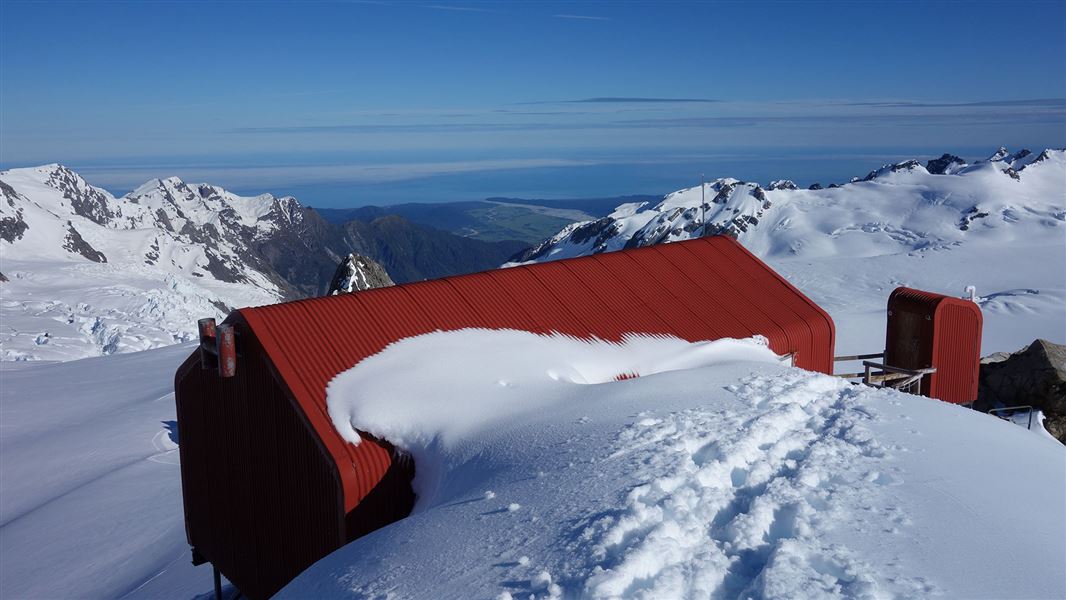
<point>85,273</point>
<point>898,207</point>
<point>998,224</point>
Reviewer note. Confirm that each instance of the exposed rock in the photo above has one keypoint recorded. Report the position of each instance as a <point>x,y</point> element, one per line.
<point>76,244</point>
<point>906,165</point>
<point>12,228</point>
<point>782,184</point>
<point>1034,376</point>
<point>995,357</point>
<point>999,155</point>
<point>358,273</point>
<point>970,216</point>
<point>2,277</point>
<point>1046,154</point>
<point>815,186</point>
<point>595,229</point>
<point>946,164</point>
<point>86,200</point>
<point>723,193</point>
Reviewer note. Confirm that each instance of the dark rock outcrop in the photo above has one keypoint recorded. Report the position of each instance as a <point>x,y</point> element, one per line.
<point>1034,376</point>
<point>357,273</point>
<point>12,228</point>
<point>940,166</point>
<point>76,244</point>
<point>970,216</point>
<point>782,184</point>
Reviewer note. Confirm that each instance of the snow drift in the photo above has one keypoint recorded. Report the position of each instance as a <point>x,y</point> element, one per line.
<point>717,473</point>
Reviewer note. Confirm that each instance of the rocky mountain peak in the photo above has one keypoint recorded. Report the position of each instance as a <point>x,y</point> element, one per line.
<point>945,165</point>
<point>999,155</point>
<point>907,165</point>
<point>777,219</point>
<point>357,273</point>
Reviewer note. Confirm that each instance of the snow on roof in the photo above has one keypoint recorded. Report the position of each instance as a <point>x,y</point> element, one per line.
<point>718,473</point>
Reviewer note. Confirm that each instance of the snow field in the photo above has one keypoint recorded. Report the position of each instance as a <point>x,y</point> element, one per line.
<point>731,476</point>
<point>740,514</point>
<point>90,488</point>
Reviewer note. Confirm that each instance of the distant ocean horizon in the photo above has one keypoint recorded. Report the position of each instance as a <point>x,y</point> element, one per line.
<point>338,184</point>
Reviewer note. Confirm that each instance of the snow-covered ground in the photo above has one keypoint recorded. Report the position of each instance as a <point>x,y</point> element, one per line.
<point>717,473</point>
<point>90,489</point>
<point>717,470</point>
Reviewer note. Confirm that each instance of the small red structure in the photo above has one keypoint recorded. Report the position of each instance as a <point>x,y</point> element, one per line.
<point>932,330</point>
<point>269,485</point>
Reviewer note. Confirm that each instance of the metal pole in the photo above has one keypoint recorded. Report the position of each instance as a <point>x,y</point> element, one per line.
<point>218,583</point>
<point>703,206</point>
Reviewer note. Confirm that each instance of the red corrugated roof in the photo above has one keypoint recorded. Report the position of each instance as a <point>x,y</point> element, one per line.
<point>700,289</point>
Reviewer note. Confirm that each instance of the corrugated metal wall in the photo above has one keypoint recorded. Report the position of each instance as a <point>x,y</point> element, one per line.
<point>262,499</point>
<point>958,351</point>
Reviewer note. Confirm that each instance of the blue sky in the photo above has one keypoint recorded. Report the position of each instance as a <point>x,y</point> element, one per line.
<point>356,102</point>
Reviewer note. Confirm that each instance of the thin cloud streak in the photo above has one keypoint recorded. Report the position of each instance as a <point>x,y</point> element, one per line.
<point>1036,102</point>
<point>455,8</point>
<point>626,100</point>
<point>582,17</point>
<point>823,120</point>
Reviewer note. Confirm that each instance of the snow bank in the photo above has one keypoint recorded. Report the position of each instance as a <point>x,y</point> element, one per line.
<point>732,478</point>
<point>496,376</point>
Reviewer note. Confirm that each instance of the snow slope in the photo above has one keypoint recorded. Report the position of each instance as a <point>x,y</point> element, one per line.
<point>718,473</point>
<point>998,224</point>
<point>90,489</point>
<point>89,274</point>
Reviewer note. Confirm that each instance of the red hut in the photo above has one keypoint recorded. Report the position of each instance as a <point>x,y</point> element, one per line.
<point>927,330</point>
<point>269,485</point>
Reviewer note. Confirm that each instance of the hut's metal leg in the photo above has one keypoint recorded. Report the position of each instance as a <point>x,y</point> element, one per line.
<point>218,583</point>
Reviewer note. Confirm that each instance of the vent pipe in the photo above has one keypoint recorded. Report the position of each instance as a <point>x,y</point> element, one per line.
<point>227,350</point>
<point>208,351</point>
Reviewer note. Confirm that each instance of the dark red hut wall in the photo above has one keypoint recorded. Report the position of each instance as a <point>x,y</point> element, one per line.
<point>696,290</point>
<point>262,498</point>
